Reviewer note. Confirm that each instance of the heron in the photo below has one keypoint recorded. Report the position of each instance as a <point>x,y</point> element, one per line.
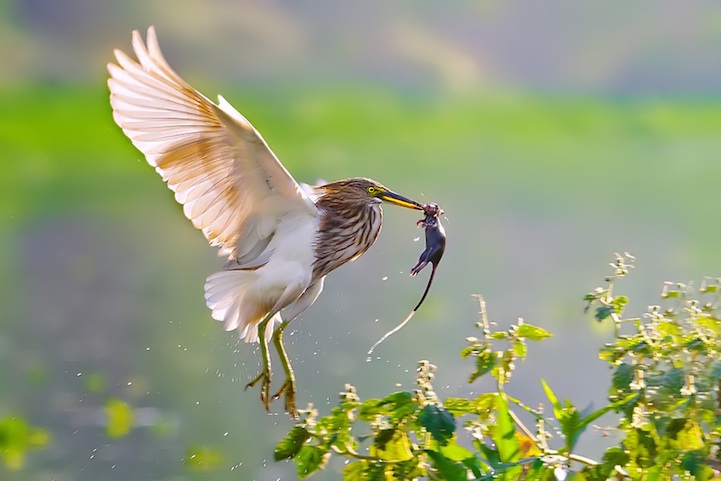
<point>282,238</point>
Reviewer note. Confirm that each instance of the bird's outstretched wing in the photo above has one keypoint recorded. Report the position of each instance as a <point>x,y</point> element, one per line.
<point>229,182</point>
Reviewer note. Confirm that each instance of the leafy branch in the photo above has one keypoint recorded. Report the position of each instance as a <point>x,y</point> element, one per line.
<point>665,365</point>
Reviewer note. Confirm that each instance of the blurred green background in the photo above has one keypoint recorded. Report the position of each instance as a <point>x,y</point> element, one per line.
<point>552,133</point>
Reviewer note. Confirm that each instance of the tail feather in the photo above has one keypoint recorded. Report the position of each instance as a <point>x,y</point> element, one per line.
<point>225,293</point>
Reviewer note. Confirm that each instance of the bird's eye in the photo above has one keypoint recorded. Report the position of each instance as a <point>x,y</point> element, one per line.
<point>370,189</point>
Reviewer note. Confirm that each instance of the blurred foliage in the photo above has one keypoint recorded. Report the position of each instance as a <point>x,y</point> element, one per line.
<point>80,151</point>
<point>17,438</point>
<point>665,383</point>
<point>202,458</point>
<point>120,418</point>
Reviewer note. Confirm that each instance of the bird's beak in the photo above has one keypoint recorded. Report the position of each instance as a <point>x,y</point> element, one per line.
<point>393,198</point>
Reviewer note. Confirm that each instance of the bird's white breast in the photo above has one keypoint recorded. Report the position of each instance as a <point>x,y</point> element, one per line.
<point>290,265</point>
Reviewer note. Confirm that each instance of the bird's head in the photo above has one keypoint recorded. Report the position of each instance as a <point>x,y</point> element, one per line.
<point>366,191</point>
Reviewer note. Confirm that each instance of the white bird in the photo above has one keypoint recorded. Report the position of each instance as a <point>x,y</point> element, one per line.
<point>281,239</point>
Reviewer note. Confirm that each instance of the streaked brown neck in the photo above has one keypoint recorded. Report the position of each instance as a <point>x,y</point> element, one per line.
<point>346,231</point>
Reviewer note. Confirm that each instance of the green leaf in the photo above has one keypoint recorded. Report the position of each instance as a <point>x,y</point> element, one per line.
<point>569,418</point>
<point>369,409</point>
<point>577,426</point>
<point>474,465</point>
<point>653,474</point>
<point>623,376</point>
<point>447,469</point>
<point>570,422</point>
<point>695,462</point>
<point>458,406</point>
<point>365,471</point>
<point>310,459</point>
<point>619,302</point>
<point>289,447</point>
<point>604,312</point>
<point>467,351</point>
<point>486,360</point>
<point>614,456</point>
<point>519,348</point>
<point>120,418</point>
<point>666,328</point>
<point>382,438</point>
<point>668,386</point>
<point>455,452</point>
<point>398,405</point>
<point>640,447</point>
<point>710,323</point>
<point>480,406</point>
<point>552,397</point>
<point>392,445</point>
<point>355,471</point>
<point>405,470</point>
<point>533,333</point>
<point>439,422</point>
<point>504,433</point>
<point>611,353</point>
<point>486,453</point>
<point>686,433</point>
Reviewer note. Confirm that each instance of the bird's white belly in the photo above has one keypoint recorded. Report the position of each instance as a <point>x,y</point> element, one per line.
<point>289,269</point>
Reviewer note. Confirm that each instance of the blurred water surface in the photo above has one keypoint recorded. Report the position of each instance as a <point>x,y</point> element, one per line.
<point>544,164</point>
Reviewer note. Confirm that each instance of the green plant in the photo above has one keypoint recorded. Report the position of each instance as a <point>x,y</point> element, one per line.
<point>664,382</point>
<point>670,358</point>
<point>17,439</point>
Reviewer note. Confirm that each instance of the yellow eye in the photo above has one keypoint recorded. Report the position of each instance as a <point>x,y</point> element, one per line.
<point>370,189</point>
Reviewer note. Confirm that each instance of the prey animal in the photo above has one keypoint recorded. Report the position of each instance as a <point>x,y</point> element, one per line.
<point>435,244</point>
<point>435,247</point>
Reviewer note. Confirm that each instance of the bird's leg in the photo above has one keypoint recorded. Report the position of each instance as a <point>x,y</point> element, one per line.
<point>288,387</point>
<point>265,372</point>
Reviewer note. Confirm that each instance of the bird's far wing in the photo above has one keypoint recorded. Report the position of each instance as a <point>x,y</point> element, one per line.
<point>229,182</point>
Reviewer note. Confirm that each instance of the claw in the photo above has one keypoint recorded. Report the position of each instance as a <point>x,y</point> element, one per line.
<point>288,389</point>
<point>264,387</point>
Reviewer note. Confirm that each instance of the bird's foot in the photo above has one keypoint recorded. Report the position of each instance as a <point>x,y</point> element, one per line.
<point>264,378</point>
<point>288,389</point>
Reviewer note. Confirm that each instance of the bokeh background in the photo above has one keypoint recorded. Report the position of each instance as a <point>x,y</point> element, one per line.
<point>553,134</point>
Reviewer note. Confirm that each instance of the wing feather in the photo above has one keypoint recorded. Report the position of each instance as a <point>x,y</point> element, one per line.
<point>231,185</point>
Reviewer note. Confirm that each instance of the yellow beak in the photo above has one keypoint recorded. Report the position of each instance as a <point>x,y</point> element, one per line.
<point>393,198</point>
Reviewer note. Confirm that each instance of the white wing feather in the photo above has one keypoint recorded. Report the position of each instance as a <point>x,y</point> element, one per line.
<point>229,182</point>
